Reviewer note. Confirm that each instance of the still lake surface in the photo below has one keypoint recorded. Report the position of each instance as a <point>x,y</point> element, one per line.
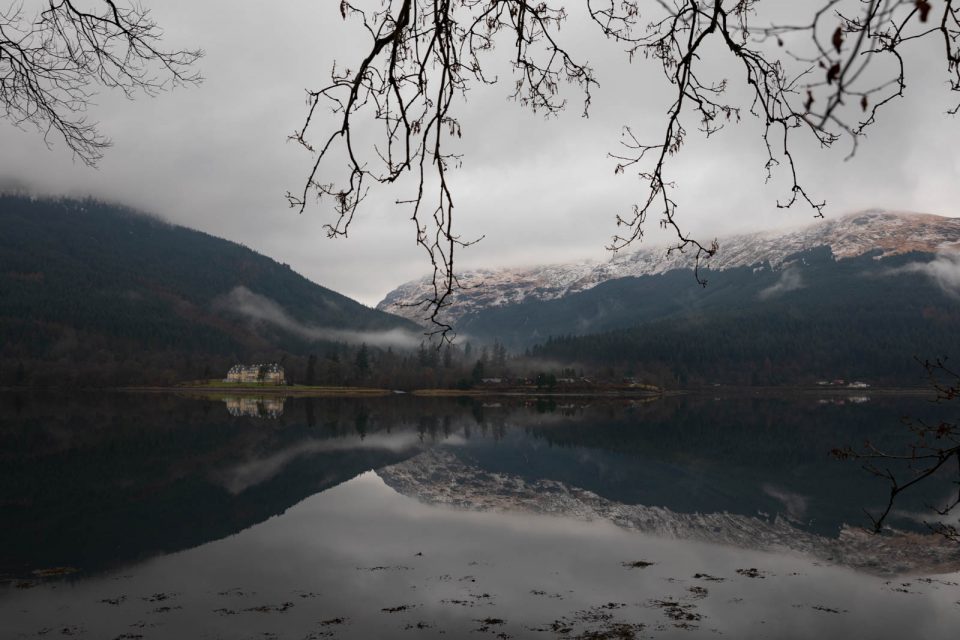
<point>157,516</point>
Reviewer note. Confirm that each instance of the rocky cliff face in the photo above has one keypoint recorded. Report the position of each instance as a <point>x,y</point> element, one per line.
<point>886,233</point>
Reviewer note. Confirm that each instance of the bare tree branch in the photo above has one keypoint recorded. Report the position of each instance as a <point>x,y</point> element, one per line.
<point>424,55</point>
<point>826,79</point>
<point>51,62</point>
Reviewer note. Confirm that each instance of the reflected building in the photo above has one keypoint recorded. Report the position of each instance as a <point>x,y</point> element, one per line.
<point>255,406</point>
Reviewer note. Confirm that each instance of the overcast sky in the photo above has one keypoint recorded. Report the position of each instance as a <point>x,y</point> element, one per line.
<point>215,157</point>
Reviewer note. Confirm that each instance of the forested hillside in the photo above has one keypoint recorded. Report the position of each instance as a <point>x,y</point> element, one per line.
<point>820,319</point>
<point>96,294</point>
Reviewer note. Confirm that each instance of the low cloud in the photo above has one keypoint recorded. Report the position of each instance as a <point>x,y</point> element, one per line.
<point>790,280</point>
<point>260,308</point>
<point>10,185</point>
<point>944,269</point>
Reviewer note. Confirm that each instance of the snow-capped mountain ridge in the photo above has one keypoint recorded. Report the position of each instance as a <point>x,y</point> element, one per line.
<point>887,233</point>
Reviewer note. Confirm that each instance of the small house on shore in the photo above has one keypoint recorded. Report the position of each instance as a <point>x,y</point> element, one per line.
<point>256,374</point>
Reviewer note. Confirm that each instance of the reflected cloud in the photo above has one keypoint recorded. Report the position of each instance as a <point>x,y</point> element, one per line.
<point>253,472</point>
<point>794,503</point>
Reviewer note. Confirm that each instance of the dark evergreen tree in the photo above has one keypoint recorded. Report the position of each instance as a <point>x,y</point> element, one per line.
<point>363,360</point>
<point>447,357</point>
<point>478,372</point>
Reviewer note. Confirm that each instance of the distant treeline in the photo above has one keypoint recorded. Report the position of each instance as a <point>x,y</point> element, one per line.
<point>766,349</point>
<point>341,364</point>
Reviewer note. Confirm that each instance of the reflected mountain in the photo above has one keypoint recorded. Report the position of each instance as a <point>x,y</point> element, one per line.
<point>441,478</point>
<point>749,455</point>
<point>98,482</point>
<point>101,481</point>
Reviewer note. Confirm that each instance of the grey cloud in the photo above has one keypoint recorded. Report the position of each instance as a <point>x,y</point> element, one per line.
<point>216,157</point>
<point>262,309</point>
<point>252,472</point>
<point>790,280</point>
<point>14,186</point>
<point>944,269</point>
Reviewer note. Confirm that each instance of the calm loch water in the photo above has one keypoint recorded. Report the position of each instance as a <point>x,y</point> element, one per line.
<point>145,516</point>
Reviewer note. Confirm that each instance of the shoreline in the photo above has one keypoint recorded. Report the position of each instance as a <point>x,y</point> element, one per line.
<point>609,392</point>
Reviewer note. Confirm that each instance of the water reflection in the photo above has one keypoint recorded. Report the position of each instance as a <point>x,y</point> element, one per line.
<point>404,515</point>
<point>441,478</point>
<point>361,561</point>
<point>97,481</point>
<point>255,406</point>
<point>259,469</point>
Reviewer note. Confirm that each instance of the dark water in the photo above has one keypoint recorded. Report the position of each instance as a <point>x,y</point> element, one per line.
<point>155,516</point>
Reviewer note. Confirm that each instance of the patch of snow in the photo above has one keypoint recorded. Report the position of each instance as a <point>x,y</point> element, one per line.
<point>885,232</point>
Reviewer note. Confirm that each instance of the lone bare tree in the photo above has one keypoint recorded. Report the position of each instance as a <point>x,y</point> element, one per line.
<point>825,76</point>
<point>52,61</point>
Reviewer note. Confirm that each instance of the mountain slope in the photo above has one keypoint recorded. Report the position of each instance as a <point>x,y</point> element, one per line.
<point>91,291</point>
<point>858,298</point>
<point>885,234</point>
<point>819,318</point>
